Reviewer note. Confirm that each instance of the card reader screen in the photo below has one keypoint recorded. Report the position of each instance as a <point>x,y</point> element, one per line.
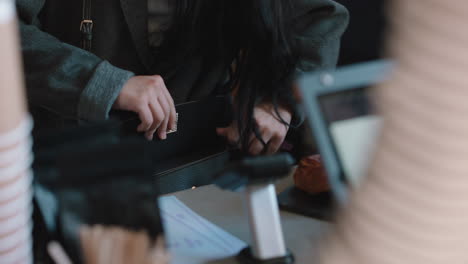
<point>353,126</point>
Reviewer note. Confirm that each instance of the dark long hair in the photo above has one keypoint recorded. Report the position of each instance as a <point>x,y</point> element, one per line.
<point>254,35</point>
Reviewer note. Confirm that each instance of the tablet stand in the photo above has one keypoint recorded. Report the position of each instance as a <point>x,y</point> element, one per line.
<point>256,177</point>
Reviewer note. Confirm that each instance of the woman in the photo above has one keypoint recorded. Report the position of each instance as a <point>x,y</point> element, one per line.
<point>252,49</point>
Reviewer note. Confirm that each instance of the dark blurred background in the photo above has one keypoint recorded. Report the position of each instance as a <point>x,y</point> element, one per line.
<point>363,39</point>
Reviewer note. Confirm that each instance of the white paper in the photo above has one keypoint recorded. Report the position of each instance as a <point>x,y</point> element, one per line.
<point>355,141</point>
<point>193,239</point>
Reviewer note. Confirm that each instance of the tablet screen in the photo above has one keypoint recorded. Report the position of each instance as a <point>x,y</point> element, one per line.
<point>353,127</point>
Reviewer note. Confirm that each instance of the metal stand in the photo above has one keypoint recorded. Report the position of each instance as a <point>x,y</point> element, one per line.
<point>257,175</point>
<point>265,223</point>
<point>265,226</point>
<point>246,257</point>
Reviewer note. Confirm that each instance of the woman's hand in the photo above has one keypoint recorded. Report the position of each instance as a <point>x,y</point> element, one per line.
<point>149,98</point>
<point>103,245</point>
<point>271,128</point>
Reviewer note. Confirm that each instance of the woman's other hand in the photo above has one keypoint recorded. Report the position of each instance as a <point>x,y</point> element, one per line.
<point>271,127</point>
<point>149,98</point>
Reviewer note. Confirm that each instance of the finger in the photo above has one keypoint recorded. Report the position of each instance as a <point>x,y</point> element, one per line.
<point>230,133</point>
<point>172,116</point>
<point>85,234</point>
<point>133,248</point>
<point>117,247</point>
<point>158,117</point>
<point>256,146</point>
<point>274,145</point>
<point>222,131</point>
<point>140,252</point>
<point>233,136</point>
<point>105,247</point>
<point>162,130</point>
<point>146,118</point>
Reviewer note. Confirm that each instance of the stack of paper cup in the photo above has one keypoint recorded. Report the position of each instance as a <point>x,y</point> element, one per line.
<point>15,147</point>
<point>16,195</point>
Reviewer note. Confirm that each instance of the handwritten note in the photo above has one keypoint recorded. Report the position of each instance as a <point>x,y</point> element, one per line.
<point>191,238</point>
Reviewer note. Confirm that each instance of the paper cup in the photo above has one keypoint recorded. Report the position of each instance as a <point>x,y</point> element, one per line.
<point>9,173</point>
<point>21,151</point>
<point>21,235</point>
<point>22,254</point>
<point>19,133</point>
<point>16,188</point>
<point>13,225</point>
<point>23,203</point>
